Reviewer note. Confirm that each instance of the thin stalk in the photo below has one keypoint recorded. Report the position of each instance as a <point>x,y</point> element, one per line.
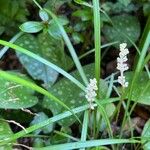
<point>97,43</point>
<point>85,126</point>
<point>70,47</point>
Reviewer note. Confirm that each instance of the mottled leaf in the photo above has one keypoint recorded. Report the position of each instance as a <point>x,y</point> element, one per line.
<point>48,48</point>
<point>16,96</point>
<point>124,25</point>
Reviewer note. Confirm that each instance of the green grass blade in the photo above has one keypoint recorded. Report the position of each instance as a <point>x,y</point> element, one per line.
<point>87,144</point>
<point>104,115</point>
<point>97,40</point>
<point>85,126</point>
<point>44,61</point>
<point>70,47</point>
<point>4,50</point>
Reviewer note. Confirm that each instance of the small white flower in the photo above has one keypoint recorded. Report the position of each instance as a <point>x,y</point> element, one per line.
<point>91,92</point>
<point>121,64</point>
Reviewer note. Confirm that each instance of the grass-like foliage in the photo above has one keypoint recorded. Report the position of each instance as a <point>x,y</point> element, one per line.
<point>61,99</point>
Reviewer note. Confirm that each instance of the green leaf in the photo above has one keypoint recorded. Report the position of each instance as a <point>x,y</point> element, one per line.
<point>141,89</point>
<point>125,25</point>
<point>43,15</point>
<point>71,95</point>
<point>146,133</point>
<point>16,96</point>
<point>31,27</point>
<point>48,48</point>
<point>5,131</point>
<point>40,118</point>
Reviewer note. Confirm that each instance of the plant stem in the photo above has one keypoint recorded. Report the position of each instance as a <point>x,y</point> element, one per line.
<point>97,38</point>
<point>85,126</point>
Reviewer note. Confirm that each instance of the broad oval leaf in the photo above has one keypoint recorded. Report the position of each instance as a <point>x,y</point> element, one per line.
<point>71,95</point>
<point>48,48</point>
<point>16,96</point>
<point>31,27</point>
<point>124,25</point>
<point>43,15</point>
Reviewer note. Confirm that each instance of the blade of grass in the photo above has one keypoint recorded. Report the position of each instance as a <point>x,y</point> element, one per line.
<point>104,115</point>
<point>44,61</point>
<point>70,47</point>
<point>4,50</point>
<point>106,118</point>
<point>85,126</point>
<point>97,40</point>
<point>87,144</point>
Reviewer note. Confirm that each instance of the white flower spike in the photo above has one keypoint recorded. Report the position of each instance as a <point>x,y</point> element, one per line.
<point>121,64</point>
<point>91,92</point>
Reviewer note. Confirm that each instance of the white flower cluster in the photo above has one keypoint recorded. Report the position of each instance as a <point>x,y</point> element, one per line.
<point>121,64</point>
<point>90,92</point>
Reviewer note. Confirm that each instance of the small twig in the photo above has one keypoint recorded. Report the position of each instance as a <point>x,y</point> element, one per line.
<point>22,145</point>
<point>16,123</point>
<point>29,112</point>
